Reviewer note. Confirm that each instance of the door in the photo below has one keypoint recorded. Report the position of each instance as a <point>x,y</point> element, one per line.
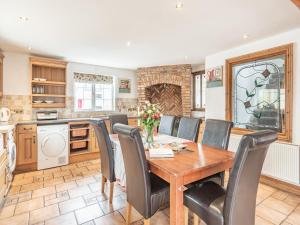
<point>27,151</point>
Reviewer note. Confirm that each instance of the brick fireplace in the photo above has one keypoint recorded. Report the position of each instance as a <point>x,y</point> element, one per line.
<point>168,85</point>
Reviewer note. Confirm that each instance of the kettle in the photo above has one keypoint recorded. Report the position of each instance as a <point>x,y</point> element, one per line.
<point>4,114</point>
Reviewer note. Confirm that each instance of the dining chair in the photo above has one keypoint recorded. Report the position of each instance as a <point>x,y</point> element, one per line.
<point>106,155</point>
<point>166,125</point>
<point>146,192</point>
<point>236,204</point>
<point>117,118</point>
<point>189,128</point>
<point>217,134</point>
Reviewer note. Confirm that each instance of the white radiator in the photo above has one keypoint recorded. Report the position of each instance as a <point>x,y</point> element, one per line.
<point>282,161</point>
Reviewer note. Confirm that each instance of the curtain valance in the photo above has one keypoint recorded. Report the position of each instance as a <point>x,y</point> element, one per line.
<point>92,78</point>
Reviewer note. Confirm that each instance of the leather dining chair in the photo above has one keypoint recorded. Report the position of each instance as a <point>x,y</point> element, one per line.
<point>106,155</point>
<point>217,134</point>
<point>189,128</point>
<point>236,204</point>
<point>146,192</point>
<point>117,118</point>
<point>166,125</point>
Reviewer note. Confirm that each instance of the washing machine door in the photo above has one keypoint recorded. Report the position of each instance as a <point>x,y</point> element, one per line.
<point>12,157</point>
<point>53,145</point>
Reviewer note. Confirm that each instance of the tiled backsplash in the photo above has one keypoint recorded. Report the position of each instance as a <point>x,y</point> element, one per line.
<point>20,107</point>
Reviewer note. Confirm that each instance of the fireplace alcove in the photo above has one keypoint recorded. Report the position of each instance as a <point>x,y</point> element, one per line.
<point>168,96</point>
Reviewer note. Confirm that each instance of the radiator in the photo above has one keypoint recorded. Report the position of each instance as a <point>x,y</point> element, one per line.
<point>282,161</point>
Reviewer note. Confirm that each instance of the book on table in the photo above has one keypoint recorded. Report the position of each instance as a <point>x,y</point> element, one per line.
<point>161,153</point>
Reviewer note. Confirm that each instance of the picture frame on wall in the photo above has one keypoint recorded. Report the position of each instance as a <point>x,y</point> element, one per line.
<point>214,77</point>
<point>124,85</point>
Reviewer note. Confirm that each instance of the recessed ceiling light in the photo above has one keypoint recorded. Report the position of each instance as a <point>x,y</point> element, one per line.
<point>245,36</point>
<point>128,43</point>
<point>23,18</point>
<point>29,48</point>
<point>179,5</point>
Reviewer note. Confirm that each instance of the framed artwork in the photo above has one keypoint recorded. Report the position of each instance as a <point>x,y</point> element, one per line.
<point>214,77</point>
<point>124,85</point>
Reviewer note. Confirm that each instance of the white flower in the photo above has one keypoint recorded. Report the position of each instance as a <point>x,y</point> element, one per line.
<point>149,111</point>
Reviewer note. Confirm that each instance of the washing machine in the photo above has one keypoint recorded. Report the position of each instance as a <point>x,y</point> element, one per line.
<point>12,150</point>
<point>53,145</point>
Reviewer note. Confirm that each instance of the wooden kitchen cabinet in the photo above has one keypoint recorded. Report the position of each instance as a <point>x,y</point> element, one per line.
<point>3,177</point>
<point>94,142</point>
<point>26,147</point>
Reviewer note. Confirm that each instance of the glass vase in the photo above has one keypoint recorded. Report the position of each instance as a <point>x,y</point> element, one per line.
<point>149,137</point>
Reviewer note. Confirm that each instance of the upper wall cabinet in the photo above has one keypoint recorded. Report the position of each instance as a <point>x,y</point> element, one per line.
<point>48,83</point>
<point>1,75</point>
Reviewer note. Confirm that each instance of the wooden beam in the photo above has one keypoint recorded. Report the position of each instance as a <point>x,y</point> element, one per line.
<point>296,2</point>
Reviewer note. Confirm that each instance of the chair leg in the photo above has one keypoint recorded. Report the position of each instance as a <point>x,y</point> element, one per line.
<point>103,184</point>
<point>128,214</point>
<point>186,216</point>
<point>111,192</point>
<point>146,221</point>
<point>196,219</point>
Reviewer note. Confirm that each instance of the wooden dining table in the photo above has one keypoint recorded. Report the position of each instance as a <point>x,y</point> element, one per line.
<point>197,162</point>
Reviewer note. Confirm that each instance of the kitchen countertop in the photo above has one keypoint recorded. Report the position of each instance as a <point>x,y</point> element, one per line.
<point>6,127</point>
<point>65,120</point>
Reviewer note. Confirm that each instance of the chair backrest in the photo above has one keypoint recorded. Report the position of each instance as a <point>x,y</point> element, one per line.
<point>240,199</point>
<point>117,118</point>
<point>138,185</point>
<point>106,150</point>
<point>217,133</point>
<point>189,128</point>
<point>166,125</point>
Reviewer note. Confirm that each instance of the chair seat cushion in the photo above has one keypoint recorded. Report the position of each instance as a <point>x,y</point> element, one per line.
<point>206,201</point>
<point>160,193</point>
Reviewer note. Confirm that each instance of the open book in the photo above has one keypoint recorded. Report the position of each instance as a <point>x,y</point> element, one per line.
<point>161,153</point>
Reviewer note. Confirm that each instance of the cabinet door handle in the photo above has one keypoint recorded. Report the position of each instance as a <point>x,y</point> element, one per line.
<point>27,128</point>
<point>33,139</point>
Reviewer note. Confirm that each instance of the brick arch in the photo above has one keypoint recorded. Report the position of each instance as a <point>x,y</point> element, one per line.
<point>179,75</point>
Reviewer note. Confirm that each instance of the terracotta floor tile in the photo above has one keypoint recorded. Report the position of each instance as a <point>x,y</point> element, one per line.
<point>34,173</point>
<point>79,191</point>
<point>23,181</point>
<point>294,218</point>
<point>67,219</point>
<point>93,167</point>
<point>7,211</point>
<point>135,215</point>
<point>66,186</point>
<point>52,170</point>
<point>278,205</point>
<point>69,167</point>
<point>71,205</point>
<point>30,205</point>
<point>62,173</point>
<point>114,218</point>
<point>280,195</point>
<point>21,219</point>
<point>54,181</point>
<point>118,203</point>
<point>43,191</point>
<point>44,214</point>
<point>57,199</point>
<point>270,214</point>
<point>11,200</point>
<point>86,180</point>
<point>31,186</point>
<point>19,176</point>
<point>88,213</point>
<point>292,200</point>
<point>14,190</point>
<point>261,221</point>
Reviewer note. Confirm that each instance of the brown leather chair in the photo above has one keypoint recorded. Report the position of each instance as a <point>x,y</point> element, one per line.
<point>106,155</point>
<point>146,192</point>
<point>117,118</point>
<point>189,128</point>
<point>217,134</point>
<point>166,125</point>
<point>236,204</point>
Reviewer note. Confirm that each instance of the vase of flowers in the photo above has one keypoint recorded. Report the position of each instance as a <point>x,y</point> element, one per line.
<point>150,118</point>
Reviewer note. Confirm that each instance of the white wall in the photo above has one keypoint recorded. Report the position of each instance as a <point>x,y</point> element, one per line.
<point>117,73</point>
<point>16,75</point>
<point>215,97</point>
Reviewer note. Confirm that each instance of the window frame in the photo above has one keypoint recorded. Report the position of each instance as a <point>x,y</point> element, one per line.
<point>194,74</point>
<point>287,50</point>
<point>94,108</point>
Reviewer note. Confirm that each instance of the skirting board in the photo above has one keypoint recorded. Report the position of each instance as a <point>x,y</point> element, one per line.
<point>284,186</point>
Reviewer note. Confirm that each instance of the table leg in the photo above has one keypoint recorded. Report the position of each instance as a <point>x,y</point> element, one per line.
<point>176,201</point>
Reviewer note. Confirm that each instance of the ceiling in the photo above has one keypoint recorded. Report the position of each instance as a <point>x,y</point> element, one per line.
<point>97,31</point>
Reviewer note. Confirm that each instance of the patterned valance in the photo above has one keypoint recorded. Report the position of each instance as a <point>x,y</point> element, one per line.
<point>92,78</point>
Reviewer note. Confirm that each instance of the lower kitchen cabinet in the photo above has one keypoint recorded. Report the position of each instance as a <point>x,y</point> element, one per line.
<point>3,177</point>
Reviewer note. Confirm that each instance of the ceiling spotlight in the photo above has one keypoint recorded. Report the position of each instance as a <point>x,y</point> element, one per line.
<point>245,36</point>
<point>23,18</point>
<point>29,48</point>
<point>179,4</point>
<point>128,43</point>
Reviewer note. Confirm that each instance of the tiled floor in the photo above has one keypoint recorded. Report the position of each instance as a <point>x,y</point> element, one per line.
<point>70,195</point>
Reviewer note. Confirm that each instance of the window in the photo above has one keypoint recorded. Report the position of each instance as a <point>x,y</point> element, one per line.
<point>259,91</point>
<point>92,94</point>
<point>199,90</point>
